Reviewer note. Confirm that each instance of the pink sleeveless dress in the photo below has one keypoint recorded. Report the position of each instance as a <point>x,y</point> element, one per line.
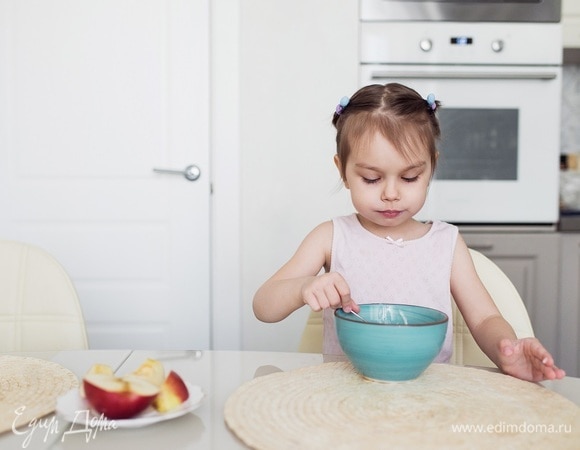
<point>380,270</point>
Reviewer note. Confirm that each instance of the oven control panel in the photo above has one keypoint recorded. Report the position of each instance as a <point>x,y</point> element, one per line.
<point>460,43</point>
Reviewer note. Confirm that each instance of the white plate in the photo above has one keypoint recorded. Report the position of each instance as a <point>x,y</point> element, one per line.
<point>75,409</point>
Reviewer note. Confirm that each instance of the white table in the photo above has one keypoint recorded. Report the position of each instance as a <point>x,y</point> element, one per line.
<point>219,373</point>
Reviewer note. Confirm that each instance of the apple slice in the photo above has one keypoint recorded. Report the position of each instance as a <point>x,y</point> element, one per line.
<point>172,394</point>
<point>118,398</point>
<point>102,369</point>
<point>151,370</point>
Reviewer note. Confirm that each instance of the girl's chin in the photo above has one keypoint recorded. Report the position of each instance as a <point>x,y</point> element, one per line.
<point>384,220</point>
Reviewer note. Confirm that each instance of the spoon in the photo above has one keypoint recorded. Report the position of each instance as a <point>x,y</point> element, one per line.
<point>358,315</point>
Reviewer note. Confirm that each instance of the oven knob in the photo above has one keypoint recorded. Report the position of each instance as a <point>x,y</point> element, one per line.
<point>425,45</point>
<point>497,46</point>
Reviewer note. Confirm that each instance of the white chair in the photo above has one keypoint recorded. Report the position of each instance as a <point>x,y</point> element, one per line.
<point>39,306</point>
<point>508,301</point>
<point>465,349</point>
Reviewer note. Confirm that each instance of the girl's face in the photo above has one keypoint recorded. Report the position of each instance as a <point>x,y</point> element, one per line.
<point>386,188</point>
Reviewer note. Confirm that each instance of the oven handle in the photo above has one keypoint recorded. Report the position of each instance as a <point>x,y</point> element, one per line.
<point>466,75</point>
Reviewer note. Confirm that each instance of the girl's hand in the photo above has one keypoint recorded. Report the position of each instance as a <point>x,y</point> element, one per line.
<point>527,359</point>
<point>329,290</point>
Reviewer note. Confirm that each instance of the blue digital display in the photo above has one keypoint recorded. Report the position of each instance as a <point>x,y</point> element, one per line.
<point>461,40</point>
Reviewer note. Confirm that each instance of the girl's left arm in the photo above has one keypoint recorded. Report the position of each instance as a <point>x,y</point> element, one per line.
<point>522,358</point>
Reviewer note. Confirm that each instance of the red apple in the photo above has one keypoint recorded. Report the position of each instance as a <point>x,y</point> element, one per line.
<point>118,398</point>
<point>96,369</point>
<point>173,393</point>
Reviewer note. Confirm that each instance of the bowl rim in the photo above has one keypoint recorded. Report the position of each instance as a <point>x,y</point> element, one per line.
<point>353,318</point>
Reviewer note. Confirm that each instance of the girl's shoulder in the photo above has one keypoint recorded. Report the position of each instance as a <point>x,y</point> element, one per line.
<point>324,228</point>
<point>440,225</point>
<point>349,222</point>
<point>317,246</point>
<point>321,235</point>
<point>439,228</point>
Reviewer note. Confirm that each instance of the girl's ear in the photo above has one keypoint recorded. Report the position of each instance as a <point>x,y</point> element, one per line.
<point>338,165</point>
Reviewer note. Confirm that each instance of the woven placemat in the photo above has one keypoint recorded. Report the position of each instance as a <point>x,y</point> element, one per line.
<point>330,406</point>
<point>29,388</point>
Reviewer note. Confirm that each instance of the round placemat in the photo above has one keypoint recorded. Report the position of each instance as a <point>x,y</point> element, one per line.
<point>29,388</point>
<point>331,406</point>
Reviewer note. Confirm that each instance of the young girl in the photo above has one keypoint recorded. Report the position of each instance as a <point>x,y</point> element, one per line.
<point>386,155</point>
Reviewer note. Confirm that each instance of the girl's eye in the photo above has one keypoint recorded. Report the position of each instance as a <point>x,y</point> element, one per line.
<point>410,179</point>
<point>370,180</point>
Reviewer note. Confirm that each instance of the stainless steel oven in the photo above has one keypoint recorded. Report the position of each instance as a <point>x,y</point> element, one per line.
<point>462,10</point>
<point>500,88</point>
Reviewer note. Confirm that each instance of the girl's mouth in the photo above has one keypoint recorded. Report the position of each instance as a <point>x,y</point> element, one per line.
<point>390,213</point>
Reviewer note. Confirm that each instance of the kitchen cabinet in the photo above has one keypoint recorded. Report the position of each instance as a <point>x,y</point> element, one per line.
<point>531,261</point>
<point>569,314</point>
<point>571,23</point>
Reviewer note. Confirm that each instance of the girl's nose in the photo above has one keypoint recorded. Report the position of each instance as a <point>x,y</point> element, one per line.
<point>390,192</point>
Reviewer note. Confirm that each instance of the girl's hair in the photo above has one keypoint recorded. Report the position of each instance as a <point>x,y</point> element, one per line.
<point>397,112</point>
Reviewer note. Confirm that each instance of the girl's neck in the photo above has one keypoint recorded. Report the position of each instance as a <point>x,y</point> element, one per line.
<point>407,231</point>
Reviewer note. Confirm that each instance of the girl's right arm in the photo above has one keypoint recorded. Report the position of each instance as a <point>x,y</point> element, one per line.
<point>298,282</point>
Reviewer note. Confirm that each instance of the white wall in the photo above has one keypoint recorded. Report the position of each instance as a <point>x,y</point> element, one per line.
<point>225,163</point>
<point>297,59</point>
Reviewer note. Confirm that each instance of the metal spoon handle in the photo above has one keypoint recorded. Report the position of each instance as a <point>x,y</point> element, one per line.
<point>358,315</point>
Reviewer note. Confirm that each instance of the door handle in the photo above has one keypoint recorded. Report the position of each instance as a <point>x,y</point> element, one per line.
<point>191,172</point>
<point>481,247</point>
<point>458,75</point>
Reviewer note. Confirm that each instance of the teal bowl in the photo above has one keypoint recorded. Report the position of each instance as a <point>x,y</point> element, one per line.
<point>396,343</point>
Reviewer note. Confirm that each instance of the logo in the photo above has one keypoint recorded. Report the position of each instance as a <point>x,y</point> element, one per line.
<point>84,422</point>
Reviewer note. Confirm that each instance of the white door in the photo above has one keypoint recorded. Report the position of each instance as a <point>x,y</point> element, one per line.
<point>93,96</point>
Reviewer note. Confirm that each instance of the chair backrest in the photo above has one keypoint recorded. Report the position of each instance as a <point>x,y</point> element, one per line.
<point>508,301</point>
<point>39,306</point>
<point>465,349</point>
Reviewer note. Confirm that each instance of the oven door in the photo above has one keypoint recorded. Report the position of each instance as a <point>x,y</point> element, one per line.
<point>499,151</point>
